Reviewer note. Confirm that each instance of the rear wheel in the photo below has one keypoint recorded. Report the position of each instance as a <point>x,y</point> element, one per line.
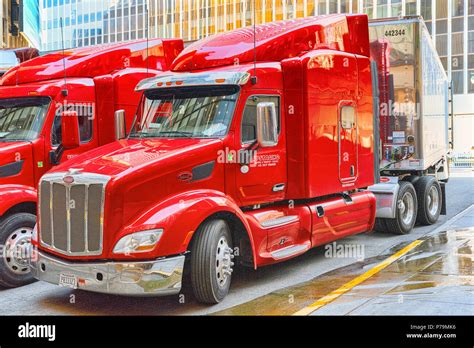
<point>15,236</point>
<point>429,195</point>
<point>211,262</point>
<point>406,209</point>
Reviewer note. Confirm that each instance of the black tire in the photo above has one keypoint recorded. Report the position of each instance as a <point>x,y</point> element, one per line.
<point>17,222</point>
<point>398,225</point>
<point>423,186</point>
<point>379,225</point>
<point>206,286</point>
<point>412,179</point>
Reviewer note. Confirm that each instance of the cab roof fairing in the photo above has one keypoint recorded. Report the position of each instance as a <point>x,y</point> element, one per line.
<point>277,41</point>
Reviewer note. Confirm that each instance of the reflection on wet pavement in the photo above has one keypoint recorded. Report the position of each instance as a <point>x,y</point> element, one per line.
<point>435,278</point>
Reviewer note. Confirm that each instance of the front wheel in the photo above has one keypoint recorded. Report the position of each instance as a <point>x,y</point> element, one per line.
<point>406,210</point>
<point>211,262</point>
<point>15,237</point>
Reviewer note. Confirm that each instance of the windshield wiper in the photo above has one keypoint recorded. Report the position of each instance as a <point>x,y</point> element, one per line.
<point>180,134</point>
<point>177,133</point>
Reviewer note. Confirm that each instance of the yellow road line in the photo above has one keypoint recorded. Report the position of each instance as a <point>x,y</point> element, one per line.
<point>356,281</point>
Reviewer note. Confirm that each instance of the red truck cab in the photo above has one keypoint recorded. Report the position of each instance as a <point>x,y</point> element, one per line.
<point>91,82</point>
<point>236,155</point>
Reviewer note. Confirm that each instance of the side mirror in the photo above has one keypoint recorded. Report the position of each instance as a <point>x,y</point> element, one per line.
<point>267,124</point>
<point>70,130</point>
<point>120,132</point>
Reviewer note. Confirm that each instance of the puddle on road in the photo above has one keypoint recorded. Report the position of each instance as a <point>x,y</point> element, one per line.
<point>443,261</point>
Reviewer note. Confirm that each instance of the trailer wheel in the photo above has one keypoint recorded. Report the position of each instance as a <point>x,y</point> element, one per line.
<point>428,191</point>
<point>15,236</point>
<point>406,210</point>
<point>211,262</point>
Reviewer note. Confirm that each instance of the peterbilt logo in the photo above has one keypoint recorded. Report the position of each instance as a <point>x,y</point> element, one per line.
<point>69,178</point>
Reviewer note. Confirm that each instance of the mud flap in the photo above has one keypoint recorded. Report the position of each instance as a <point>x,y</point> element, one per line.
<point>443,198</point>
<point>386,194</point>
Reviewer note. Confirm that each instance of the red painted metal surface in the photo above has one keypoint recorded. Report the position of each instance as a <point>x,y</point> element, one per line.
<point>277,41</point>
<point>150,185</point>
<point>102,78</point>
<point>342,218</point>
<point>95,61</point>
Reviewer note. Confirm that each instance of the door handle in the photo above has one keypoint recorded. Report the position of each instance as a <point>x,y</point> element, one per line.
<point>278,187</point>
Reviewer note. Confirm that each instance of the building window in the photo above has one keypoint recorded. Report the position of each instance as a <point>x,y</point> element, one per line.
<point>410,7</point>
<point>457,78</point>
<point>458,8</point>
<point>442,8</point>
<point>470,82</point>
<point>426,9</point>
<point>442,44</point>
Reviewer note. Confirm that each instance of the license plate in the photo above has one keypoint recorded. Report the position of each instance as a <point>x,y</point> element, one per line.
<point>68,280</point>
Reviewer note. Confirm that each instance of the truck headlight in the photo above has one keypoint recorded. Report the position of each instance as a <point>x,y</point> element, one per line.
<point>138,242</point>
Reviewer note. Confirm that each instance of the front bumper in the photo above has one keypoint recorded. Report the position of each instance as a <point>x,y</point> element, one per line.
<point>145,278</point>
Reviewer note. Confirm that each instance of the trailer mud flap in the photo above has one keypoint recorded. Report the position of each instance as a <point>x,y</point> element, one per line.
<point>443,198</point>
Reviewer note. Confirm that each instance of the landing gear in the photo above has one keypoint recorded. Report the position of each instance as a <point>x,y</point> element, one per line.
<point>406,210</point>
<point>430,200</point>
<point>15,236</point>
<point>211,262</point>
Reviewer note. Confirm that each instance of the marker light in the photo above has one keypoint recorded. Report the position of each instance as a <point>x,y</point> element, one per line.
<point>220,80</point>
<point>138,242</point>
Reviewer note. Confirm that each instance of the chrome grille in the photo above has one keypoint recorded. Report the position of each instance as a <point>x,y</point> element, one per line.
<point>72,214</point>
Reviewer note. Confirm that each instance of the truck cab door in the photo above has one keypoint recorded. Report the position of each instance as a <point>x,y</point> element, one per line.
<point>263,179</point>
<point>348,154</point>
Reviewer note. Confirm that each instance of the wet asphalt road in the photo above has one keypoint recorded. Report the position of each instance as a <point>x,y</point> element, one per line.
<point>250,286</point>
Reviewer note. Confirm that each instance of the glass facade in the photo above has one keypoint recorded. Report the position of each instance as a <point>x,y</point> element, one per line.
<point>89,22</point>
<point>10,34</point>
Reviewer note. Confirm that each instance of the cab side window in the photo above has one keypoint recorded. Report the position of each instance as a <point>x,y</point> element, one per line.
<point>85,129</point>
<point>248,128</point>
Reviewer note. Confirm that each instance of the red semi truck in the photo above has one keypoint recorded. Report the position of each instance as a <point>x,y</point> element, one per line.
<point>92,82</point>
<point>244,152</point>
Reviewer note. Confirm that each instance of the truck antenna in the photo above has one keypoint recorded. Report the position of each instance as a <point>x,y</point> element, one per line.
<point>147,33</point>
<point>253,79</point>
<point>64,91</point>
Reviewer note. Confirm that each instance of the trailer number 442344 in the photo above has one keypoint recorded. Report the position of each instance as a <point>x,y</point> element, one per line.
<point>395,32</point>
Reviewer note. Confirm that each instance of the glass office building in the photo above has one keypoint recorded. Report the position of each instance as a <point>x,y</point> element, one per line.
<point>10,34</point>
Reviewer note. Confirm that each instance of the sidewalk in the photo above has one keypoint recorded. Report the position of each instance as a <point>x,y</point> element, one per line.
<point>436,278</point>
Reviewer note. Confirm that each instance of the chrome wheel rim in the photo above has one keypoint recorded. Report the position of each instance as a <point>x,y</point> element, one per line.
<point>224,256</point>
<point>433,200</point>
<point>406,207</point>
<point>17,249</point>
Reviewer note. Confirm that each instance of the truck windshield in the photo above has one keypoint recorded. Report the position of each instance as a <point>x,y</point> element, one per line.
<point>185,112</point>
<point>21,119</point>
